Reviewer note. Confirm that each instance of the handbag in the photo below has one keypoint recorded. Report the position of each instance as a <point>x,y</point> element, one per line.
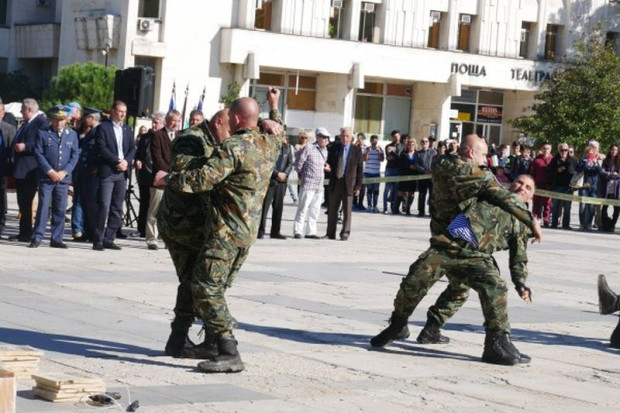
<point>611,190</point>
<point>576,182</point>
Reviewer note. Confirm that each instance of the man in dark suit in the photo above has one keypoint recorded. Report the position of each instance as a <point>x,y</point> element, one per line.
<point>7,133</point>
<point>25,166</point>
<point>276,192</point>
<point>161,153</point>
<point>345,180</point>
<point>114,142</point>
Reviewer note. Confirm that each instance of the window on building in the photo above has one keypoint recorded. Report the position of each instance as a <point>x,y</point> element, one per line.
<point>149,8</point>
<point>612,40</point>
<point>551,41</point>
<point>262,16</point>
<point>524,48</point>
<point>3,12</point>
<point>298,91</point>
<point>434,29</point>
<point>367,22</point>
<point>335,24</point>
<point>478,111</point>
<point>464,32</point>
<point>381,108</point>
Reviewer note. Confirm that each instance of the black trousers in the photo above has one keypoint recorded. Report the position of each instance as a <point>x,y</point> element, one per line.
<point>89,187</point>
<point>273,198</point>
<point>26,189</point>
<point>144,192</point>
<point>424,186</point>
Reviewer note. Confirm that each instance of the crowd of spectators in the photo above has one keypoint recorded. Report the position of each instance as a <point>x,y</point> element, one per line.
<point>40,156</point>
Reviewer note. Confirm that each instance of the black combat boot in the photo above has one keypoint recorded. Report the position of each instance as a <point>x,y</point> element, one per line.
<point>608,301</point>
<point>614,341</point>
<point>227,360</point>
<point>431,334</point>
<point>397,330</point>
<point>496,349</point>
<point>508,346</point>
<point>178,339</point>
<point>206,349</point>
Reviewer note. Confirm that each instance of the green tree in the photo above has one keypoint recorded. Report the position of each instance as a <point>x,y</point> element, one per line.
<point>582,99</point>
<point>90,84</point>
<point>232,93</point>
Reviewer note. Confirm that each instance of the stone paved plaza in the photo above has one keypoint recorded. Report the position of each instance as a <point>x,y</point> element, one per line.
<point>306,311</point>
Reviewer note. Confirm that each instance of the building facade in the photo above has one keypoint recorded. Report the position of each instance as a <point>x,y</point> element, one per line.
<point>425,67</point>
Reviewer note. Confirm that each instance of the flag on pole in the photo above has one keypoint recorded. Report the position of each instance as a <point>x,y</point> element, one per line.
<point>184,106</point>
<point>173,97</point>
<point>202,99</point>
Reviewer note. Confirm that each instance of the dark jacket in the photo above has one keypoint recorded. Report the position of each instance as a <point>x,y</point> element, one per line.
<point>106,147</point>
<point>24,162</point>
<point>161,150</point>
<point>562,179</point>
<point>284,163</point>
<point>354,172</point>
<point>143,154</point>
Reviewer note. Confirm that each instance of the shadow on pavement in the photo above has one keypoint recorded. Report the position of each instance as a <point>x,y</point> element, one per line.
<point>362,340</point>
<point>82,346</point>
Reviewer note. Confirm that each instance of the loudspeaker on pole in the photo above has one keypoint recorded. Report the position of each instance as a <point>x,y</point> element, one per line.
<point>134,86</point>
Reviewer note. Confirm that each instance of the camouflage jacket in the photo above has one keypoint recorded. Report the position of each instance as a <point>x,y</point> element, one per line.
<point>181,216</point>
<point>496,230</point>
<point>456,180</point>
<point>237,176</point>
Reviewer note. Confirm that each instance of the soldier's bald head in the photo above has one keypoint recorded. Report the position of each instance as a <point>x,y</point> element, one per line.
<point>243,113</point>
<point>220,125</point>
<point>475,148</point>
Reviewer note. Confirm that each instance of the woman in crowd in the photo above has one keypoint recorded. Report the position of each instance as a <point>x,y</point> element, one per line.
<point>406,189</point>
<point>591,170</point>
<point>442,148</point>
<point>610,187</point>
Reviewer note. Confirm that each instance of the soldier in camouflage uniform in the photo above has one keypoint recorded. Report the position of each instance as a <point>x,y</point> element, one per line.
<point>457,179</point>
<point>491,229</point>
<point>237,176</point>
<point>181,223</point>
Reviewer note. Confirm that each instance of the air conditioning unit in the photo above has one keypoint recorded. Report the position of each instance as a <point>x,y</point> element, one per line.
<point>44,3</point>
<point>338,4</point>
<point>465,19</point>
<point>368,7</point>
<point>435,16</point>
<point>146,25</point>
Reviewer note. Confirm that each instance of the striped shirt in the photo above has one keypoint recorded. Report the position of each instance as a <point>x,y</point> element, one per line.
<point>373,164</point>
<point>310,166</point>
<point>460,227</point>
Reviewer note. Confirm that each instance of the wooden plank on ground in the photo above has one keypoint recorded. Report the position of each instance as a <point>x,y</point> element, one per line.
<point>7,391</point>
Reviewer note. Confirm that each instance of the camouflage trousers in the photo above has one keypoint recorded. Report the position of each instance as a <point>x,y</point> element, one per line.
<point>218,265</point>
<point>184,260</point>
<point>464,271</point>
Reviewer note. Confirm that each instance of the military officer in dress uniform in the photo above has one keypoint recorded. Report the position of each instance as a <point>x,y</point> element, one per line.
<point>57,152</point>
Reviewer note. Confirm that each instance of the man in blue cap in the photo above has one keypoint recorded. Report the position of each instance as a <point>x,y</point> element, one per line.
<point>56,151</point>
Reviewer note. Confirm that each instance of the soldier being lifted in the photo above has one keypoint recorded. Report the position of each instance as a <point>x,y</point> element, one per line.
<point>457,180</point>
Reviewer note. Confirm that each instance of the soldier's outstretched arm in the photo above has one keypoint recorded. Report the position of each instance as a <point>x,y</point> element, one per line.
<point>518,265</point>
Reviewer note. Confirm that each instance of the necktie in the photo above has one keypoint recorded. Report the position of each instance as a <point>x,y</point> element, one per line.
<point>340,172</point>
